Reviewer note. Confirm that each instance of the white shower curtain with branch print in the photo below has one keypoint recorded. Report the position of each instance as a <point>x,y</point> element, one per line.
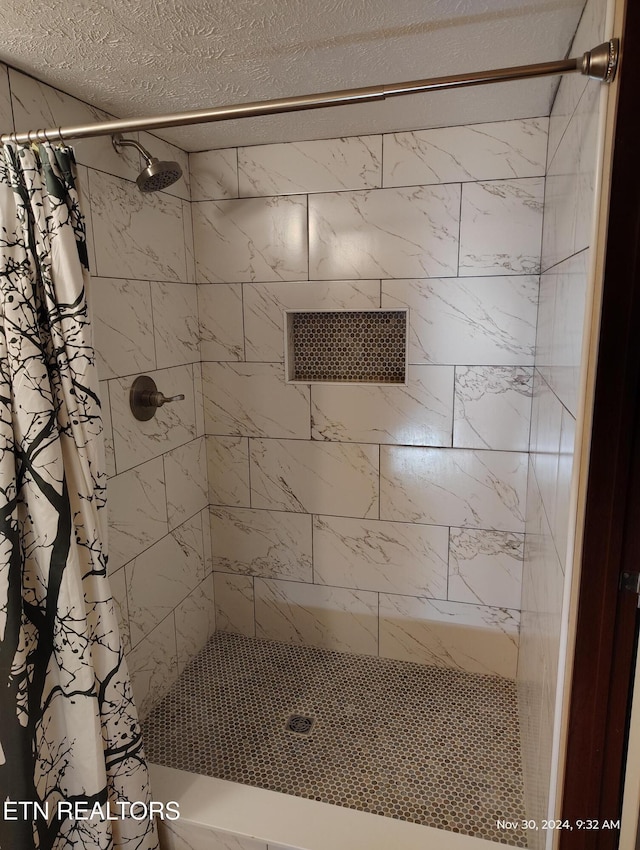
<point>69,732</point>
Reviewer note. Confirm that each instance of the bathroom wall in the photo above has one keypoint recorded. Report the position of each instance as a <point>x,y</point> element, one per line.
<point>568,216</point>
<point>378,520</point>
<point>144,305</point>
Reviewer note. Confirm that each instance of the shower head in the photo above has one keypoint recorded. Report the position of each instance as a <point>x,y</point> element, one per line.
<point>157,174</point>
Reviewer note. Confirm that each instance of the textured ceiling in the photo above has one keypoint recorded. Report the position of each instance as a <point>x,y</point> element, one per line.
<point>157,56</point>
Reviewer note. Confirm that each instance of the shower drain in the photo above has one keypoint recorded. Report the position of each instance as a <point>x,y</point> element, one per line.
<point>300,724</point>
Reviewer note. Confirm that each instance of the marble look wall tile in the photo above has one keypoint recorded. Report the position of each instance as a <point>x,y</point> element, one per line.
<point>562,517</point>
<point>470,489</point>
<point>270,544</point>
<point>391,557</point>
<point>330,617</point>
<point>162,576</point>
<point>153,666</point>
<point>253,239</point>
<point>501,227</point>
<point>107,433</point>
<point>571,184</point>
<point>234,604</point>
<point>418,414</point>
<point>384,233</point>
<point>119,590</point>
<point>181,835</point>
<point>493,407</point>
<point>172,426</point>
<point>221,328</point>
<point>175,323</point>
<point>545,441</point>
<point>485,567</point>
<point>214,175</point>
<point>6,113</point>
<point>320,478</point>
<point>123,326</point>
<point>327,165</point>
<point>228,471</point>
<point>195,621</point>
<point>253,400</point>
<point>198,398</point>
<point>185,470</point>
<point>561,329</point>
<point>36,104</point>
<point>473,638</point>
<point>264,305</point>
<point>137,236</point>
<point>137,511</point>
<point>206,541</point>
<point>485,321</point>
<point>166,151</point>
<point>458,154</point>
<point>188,242</point>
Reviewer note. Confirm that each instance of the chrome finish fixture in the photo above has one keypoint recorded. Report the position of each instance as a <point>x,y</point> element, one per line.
<point>592,64</point>
<point>144,398</point>
<point>157,174</point>
<point>601,62</point>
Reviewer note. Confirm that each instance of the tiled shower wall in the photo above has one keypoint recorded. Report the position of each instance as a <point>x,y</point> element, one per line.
<point>144,305</point>
<point>568,218</point>
<point>370,519</point>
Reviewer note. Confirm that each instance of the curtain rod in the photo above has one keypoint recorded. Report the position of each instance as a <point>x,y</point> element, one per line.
<point>600,63</point>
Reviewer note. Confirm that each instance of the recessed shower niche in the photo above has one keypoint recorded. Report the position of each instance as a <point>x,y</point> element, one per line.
<point>346,346</point>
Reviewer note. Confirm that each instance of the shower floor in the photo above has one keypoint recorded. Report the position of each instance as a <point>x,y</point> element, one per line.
<point>417,743</point>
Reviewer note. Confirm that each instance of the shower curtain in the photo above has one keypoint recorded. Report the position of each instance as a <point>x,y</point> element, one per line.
<point>71,758</point>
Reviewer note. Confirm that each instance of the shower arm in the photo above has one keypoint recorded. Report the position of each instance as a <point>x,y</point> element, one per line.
<point>117,141</point>
<point>600,63</point>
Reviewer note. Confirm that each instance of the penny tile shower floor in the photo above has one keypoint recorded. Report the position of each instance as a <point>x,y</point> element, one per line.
<point>417,743</point>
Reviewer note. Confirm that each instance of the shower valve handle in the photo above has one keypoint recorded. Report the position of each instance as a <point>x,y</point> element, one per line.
<point>145,398</point>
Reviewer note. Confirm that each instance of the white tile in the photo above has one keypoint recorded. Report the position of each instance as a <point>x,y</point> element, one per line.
<point>206,541</point>
<point>482,321</point>
<point>327,165</point>
<point>123,326</point>
<point>6,113</point>
<point>501,227</point>
<point>264,305</point>
<point>105,409</point>
<point>384,233</point>
<point>182,835</point>
<point>36,104</point>
<point>138,236</point>
<point>166,152</point>
<point>253,239</point>
<point>185,470</point>
<point>391,557</point>
<point>172,426</point>
<point>330,617</point>
<point>253,400</point>
<point>545,442</point>
<point>198,398</point>
<point>195,621</point>
<point>321,478</point>
<point>137,511</point>
<point>270,544</point>
<point>419,414</point>
<point>234,604</point>
<point>175,323</point>
<point>153,666</point>
<point>187,224</point>
<point>493,407</point>
<point>162,576</point>
<point>221,328</point>
<point>473,638</point>
<point>82,187</point>
<point>474,489</point>
<point>118,585</point>
<point>571,184</point>
<point>214,175</point>
<point>560,520</point>
<point>485,567</point>
<point>228,471</point>
<point>459,154</point>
